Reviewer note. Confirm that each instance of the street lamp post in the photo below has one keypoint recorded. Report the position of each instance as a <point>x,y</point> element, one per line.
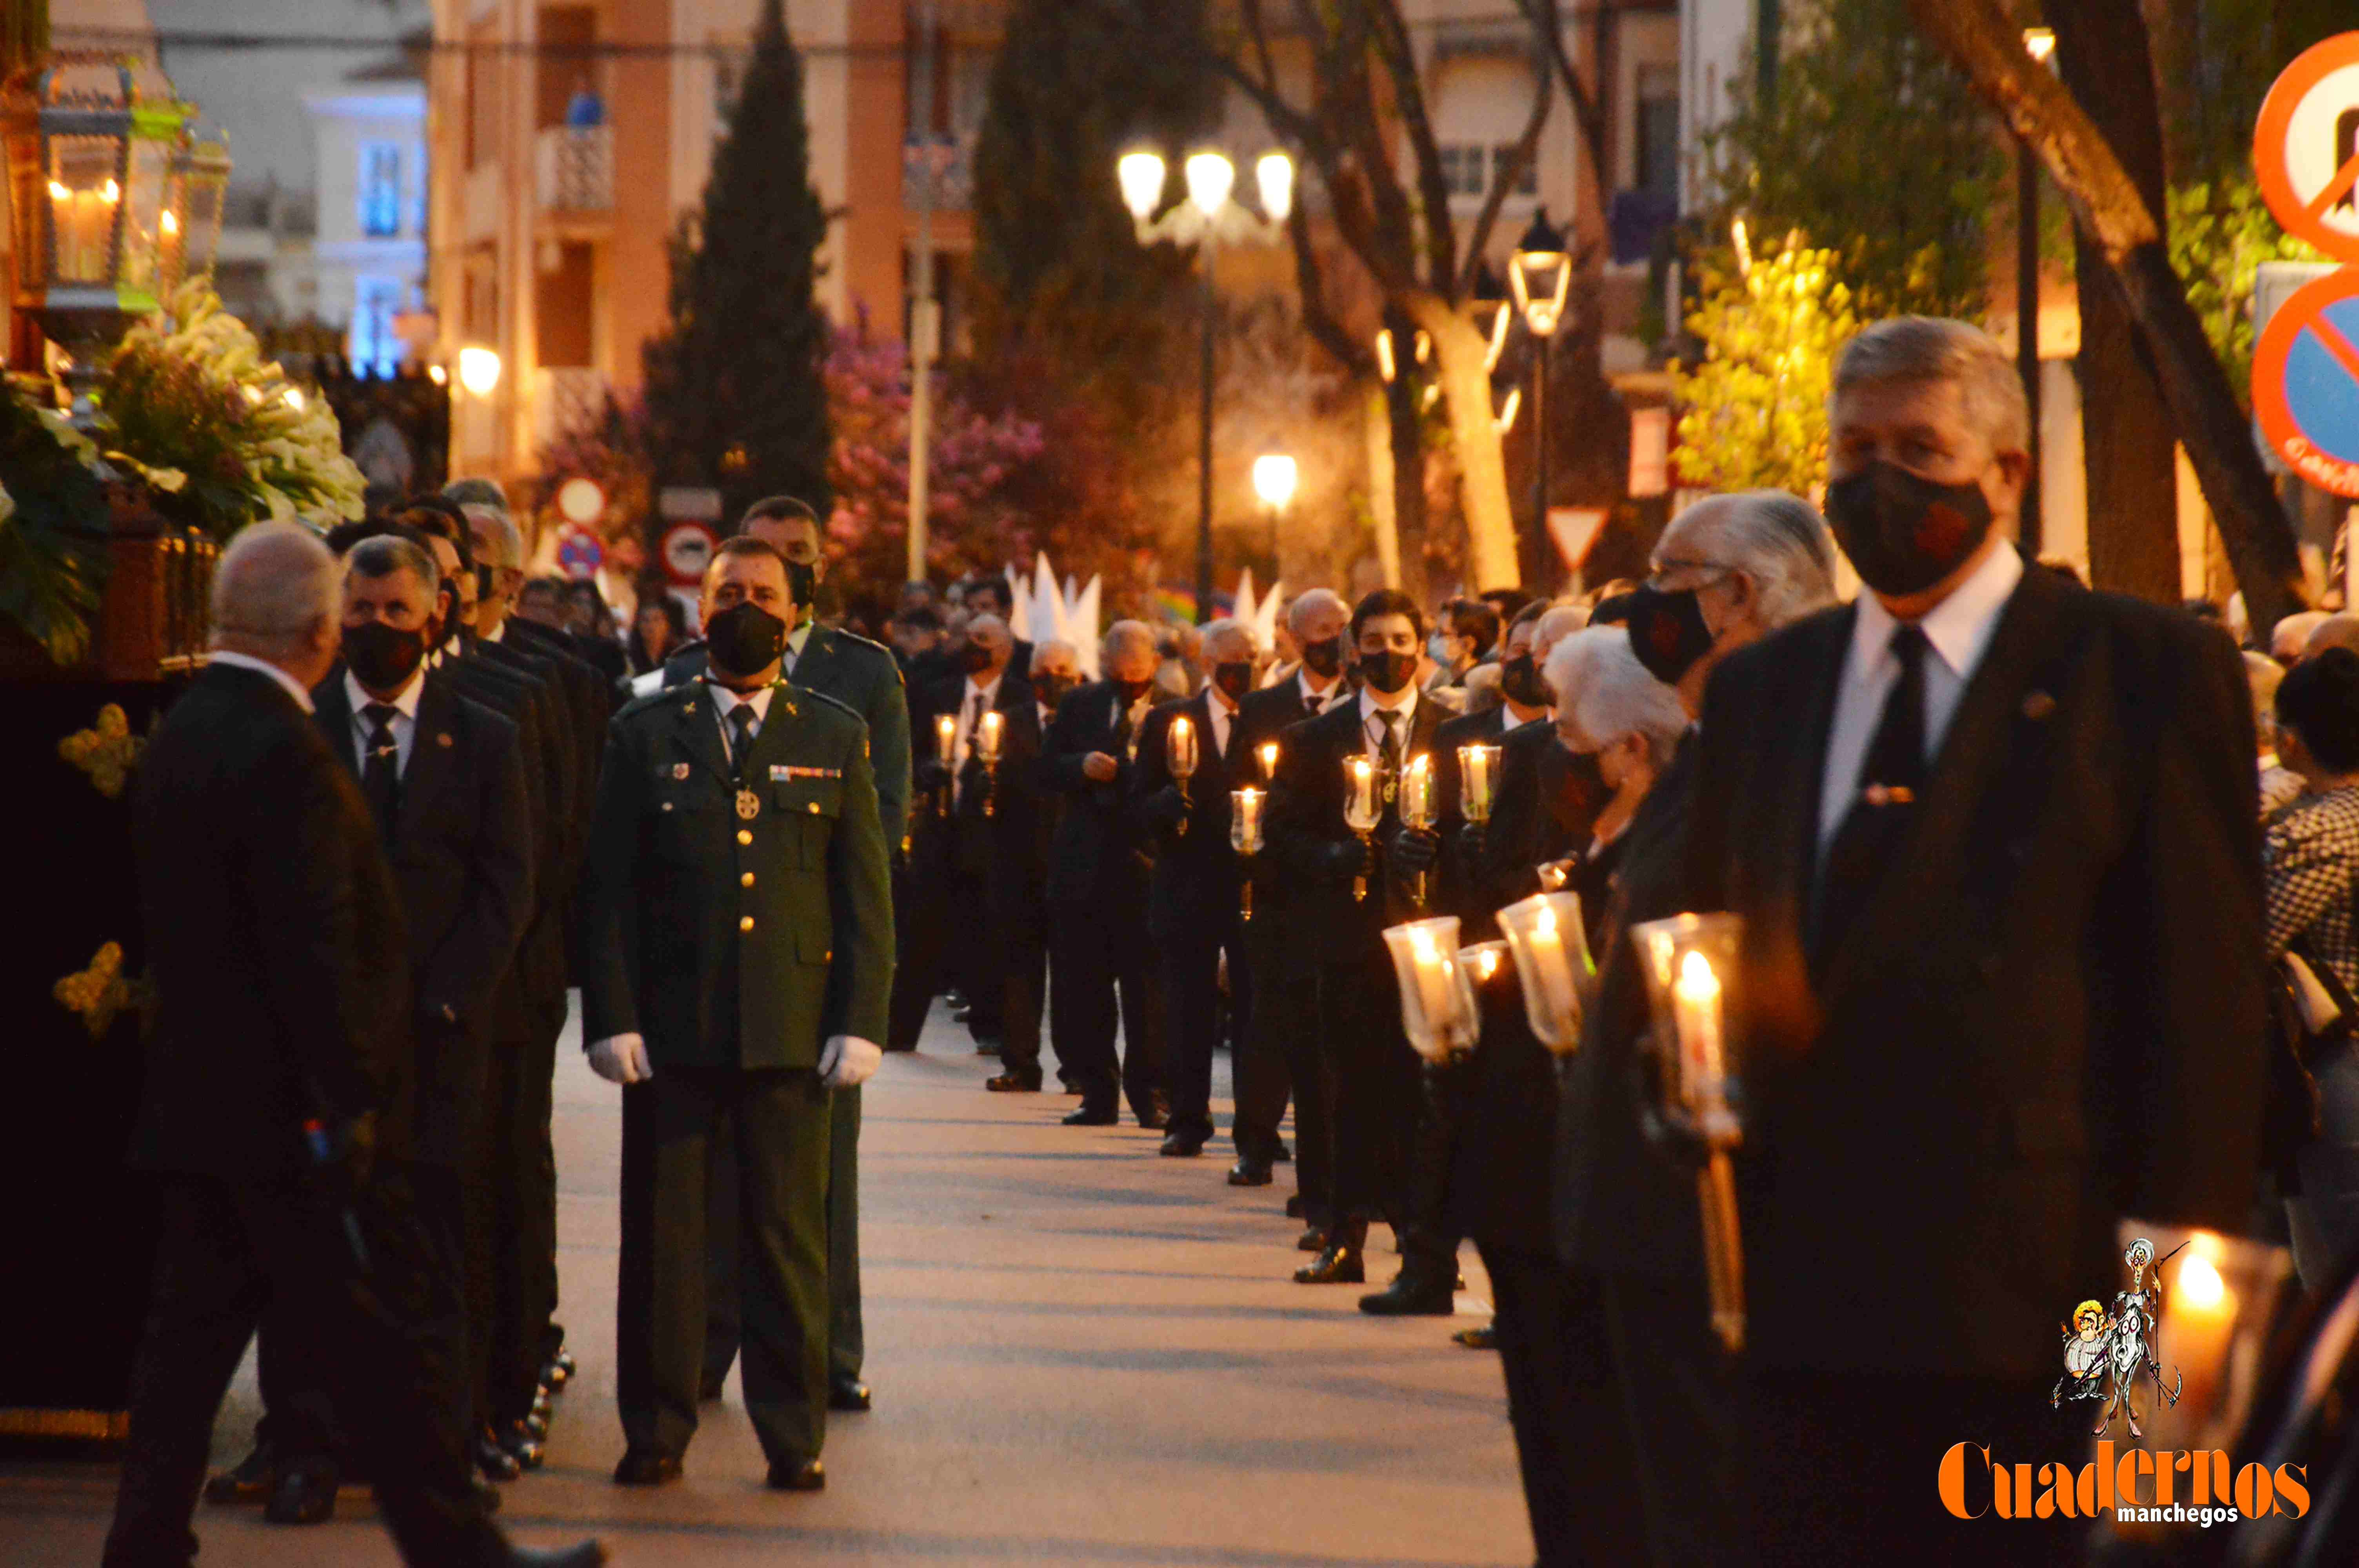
<point>1208,218</point>
<point>1540,275</point>
<point>2041,44</point>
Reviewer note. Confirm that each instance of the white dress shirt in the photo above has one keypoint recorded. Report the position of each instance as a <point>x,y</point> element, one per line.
<point>795,642</point>
<point>1325,699</point>
<point>1225,715</point>
<point>286,683</point>
<point>1509,724</point>
<point>725,702</point>
<point>1959,631</point>
<point>403,722</point>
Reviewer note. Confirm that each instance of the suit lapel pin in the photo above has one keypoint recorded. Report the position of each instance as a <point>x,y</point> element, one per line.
<point>2038,705</point>
<point>442,738</point>
<point>679,769</point>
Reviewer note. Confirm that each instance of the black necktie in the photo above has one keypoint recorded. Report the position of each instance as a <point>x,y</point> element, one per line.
<point>741,743</point>
<point>1312,706</point>
<point>1390,720</point>
<point>381,774</point>
<point>1891,779</point>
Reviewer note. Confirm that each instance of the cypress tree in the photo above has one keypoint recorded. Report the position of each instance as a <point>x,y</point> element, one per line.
<point>736,395</point>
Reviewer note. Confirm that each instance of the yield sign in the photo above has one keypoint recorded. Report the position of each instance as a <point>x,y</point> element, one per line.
<point>2306,146</point>
<point>2306,382</point>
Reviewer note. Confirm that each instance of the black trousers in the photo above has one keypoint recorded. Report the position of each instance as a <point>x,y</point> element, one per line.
<point>1376,1090</point>
<point>1681,1409</point>
<point>1284,1031</point>
<point>521,1176</point>
<point>1578,1479</point>
<point>1430,1243</point>
<point>1190,946</point>
<point>1020,909</point>
<point>226,1250</point>
<point>781,1119</point>
<point>847,1338</point>
<point>1106,974</point>
<point>1261,1075</point>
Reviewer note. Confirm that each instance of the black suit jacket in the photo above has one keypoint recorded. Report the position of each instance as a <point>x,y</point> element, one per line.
<point>1008,837</point>
<point>462,858</point>
<point>2051,1014</point>
<point>1097,851</point>
<point>1308,834</point>
<point>274,936</point>
<point>1195,876</point>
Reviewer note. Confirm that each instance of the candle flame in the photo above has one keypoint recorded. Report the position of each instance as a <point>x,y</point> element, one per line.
<point>1697,982</point>
<point>2200,1286</point>
<point>945,725</point>
<point>1180,725</point>
<point>172,224</point>
<point>111,190</point>
<point>1486,963</point>
<point>1269,756</point>
<point>1421,940</point>
<point>1544,923</point>
<point>58,191</point>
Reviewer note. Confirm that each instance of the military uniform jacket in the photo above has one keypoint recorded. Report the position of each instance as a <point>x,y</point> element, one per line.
<point>691,880</point>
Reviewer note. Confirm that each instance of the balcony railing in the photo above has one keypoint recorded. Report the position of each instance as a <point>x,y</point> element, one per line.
<point>577,169</point>
<point>950,163</point>
<point>566,401</point>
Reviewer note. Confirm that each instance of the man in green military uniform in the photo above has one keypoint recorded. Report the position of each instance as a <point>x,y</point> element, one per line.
<point>866,678</point>
<point>738,954</point>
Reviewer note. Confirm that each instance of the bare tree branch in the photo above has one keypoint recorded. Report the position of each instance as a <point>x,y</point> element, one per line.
<point>1588,115</point>
<point>1399,56</point>
<point>1504,176</point>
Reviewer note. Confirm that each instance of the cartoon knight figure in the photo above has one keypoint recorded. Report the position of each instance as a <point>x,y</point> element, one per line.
<point>2136,1313</point>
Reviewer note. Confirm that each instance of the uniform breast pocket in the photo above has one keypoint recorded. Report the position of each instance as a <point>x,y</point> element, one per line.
<point>814,804</point>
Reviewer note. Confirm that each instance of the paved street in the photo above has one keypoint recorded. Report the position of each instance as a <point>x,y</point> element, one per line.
<point>1082,1354</point>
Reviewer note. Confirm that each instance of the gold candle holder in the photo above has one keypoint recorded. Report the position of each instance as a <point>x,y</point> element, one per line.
<point>1179,754</point>
<point>1361,811</point>
<point>1245,837</point>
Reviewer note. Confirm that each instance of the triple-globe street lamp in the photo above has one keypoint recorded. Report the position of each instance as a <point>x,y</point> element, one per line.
<point>1208,218</point>
<point>1540,276</point>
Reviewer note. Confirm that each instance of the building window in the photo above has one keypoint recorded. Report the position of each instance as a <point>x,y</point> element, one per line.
<point>1469,170</point>
<point>380,190</point>
<point>1528,182</point>
<point>374,347</point>
<point>1658,160</point>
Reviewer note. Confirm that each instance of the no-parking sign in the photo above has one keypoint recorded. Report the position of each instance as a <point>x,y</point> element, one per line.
<point>2306,382</point>
<point>2306,146</point>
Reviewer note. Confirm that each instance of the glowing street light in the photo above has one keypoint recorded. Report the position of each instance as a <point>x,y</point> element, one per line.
<point>1274,478</point>
<point>1211,177</point>
<point>1540,275</point>
<point>479,370</point>
<point>1141,176</point>
<point>579,501</point>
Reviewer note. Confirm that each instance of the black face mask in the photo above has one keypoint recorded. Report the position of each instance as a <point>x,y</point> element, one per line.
<point>974,658</point>
<point>745,639</point>
<point>1584,794</point>
<point>803,581</point>
<point>1235,678</point>
<point>384,657</point>
<point>1388,673</point>
<point>1051,689</point>
<point>1520,681</point>
<point>1667,632</point>
<point>1324,659</point>
<point>1903,533</point>
<point>1132,691</point>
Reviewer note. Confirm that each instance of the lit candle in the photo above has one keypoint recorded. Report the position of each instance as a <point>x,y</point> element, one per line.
<point>1695,999</point>
<point>2199,1320</point>
<point>1478,771</point>
<point>1360,799</point>
<point>1417,792</point>
<point>1268,750</point>
<point>1433,978</point>
<point>946,740</point>
<point>1244,820</point>
<point>988,744</point>
<point>1180,747</point>
<point>1551,963</point>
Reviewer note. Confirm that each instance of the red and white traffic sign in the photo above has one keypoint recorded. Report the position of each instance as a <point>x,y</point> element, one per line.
<point>2306,146</point>
<point>2306,382</point>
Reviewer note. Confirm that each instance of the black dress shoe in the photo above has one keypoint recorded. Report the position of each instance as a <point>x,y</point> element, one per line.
<point>848,1394</point>
<point>1012,1084</point>
<point>523,1446</point>
<point>1282,1155</point>
<point>487,1497</point>
<point>556,1374</point>
<point>1093,1116</point>
<point>494,1463</point>
<point>1248,1171</point>
<point>1294,1207</point>
<point>306,1494</point>
<point>1484,1338</point>
<point>1313,1240</point>
<point>1154,1122</point>
<point>254,1478</point>
<point>1339,1264</point>
<point>807,1476</point>
<point>646,1467</point>
<point>535,1427</point>
<point>543,1401</point>
<point>1421,1296</point>
<point>1182,1146</point>
<point>589,1554</point>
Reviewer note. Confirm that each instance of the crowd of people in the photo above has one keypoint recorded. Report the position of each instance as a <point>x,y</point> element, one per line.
<point>2009,908</point>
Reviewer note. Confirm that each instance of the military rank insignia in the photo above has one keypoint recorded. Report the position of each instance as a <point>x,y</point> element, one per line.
<point>749,805</point>
<point>679,769</point>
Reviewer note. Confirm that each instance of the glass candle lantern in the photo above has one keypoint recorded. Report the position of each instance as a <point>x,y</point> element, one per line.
<point>946,753</point>
<point>1552,951</point>
<point>1478,772</point>
<point>1361,811</point>
<point>1179,756</point>
<point>1245,837</point>
<point>1438,1011</point>
<point>987,729</point>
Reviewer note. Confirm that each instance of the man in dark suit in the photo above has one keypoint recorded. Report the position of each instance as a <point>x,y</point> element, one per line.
<point>1193,912</point>
<point>737,922</point>
<point>1097,890</point>
<point>862,675</point>
<point>1280,1056</point>
<point>1994,839</point>
<point>1374,1070</point>
<point>442,777</point>
<point>277,1106</point>
<point>992,596</point>
<point>1022,903</point>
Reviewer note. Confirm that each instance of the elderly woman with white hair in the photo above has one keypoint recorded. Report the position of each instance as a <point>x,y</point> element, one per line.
<point>1608,707</point>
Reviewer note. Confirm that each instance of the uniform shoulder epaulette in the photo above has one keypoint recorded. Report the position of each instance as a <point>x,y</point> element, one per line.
<point>820,699</point>
<point>866,645</point>
<point>670,695</point>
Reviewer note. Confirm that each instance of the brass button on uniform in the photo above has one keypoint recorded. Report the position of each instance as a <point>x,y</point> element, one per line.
<point>814,808</point>
<point>666,806</point>
<point>745,835</point>
<point>746,881</point>
<point>744,923</point>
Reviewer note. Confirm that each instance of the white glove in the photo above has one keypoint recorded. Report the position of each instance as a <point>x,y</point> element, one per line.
<point>847,1061</point>
<point>622,1059</point>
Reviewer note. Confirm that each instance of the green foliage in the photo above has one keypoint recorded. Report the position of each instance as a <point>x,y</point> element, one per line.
<point>1755,409</point>
<point>1061,277</point>
<point>53,559</point>
<point>2219,234</point>
<point>1875,148</point>
<point>734,388</point>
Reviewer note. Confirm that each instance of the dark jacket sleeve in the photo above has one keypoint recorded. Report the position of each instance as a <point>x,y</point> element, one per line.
<point>607,900</point>
<point>1063,751</point>
<point>1154,802</point>
<point>888,751</point>
<point>860,896</point>
<point>462,974</point>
